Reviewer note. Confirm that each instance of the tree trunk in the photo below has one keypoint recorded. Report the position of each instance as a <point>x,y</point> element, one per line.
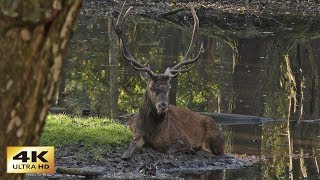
<point>170,52</point>
<point>33,39</point>
<point>113,64</point>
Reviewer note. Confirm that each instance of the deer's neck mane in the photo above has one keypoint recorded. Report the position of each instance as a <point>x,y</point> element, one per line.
<point>151,120</point>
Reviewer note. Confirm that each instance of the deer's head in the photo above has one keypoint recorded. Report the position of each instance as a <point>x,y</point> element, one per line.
<point>158,88</point>
<point>158,85</point>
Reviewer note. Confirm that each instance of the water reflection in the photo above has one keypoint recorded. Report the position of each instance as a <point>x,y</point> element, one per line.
<point>288,150</point>
<point>267,77</point>
<point>252,76</point>
<point>270,142</point>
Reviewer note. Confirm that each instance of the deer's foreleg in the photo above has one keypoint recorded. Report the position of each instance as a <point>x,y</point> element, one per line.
<point>137,143</point>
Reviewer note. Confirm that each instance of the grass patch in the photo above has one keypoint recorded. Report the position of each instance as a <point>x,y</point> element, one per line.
<point>63,130</point>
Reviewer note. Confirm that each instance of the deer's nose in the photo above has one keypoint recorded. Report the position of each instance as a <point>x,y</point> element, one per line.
<point>162,107</point>
<point>163,104</point>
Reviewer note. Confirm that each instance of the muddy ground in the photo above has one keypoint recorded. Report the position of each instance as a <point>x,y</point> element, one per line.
<point>251,7</point>
<point>145,163</point>
<point>148,163</point>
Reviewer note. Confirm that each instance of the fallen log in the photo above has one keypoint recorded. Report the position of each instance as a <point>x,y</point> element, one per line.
<point>222,118</point>
<point>78,171</point>
<point>225,118</point>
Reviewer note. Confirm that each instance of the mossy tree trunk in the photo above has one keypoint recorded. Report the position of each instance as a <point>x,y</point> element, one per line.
<point>33,39</point>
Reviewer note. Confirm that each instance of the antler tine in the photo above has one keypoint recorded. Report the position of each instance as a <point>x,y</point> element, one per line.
<point>122,8</point>
<point>175,70</point>
<point>174,73</point>
<point>125,53</point>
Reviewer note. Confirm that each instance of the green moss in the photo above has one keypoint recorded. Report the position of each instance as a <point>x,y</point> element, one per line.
<point>63,130</point>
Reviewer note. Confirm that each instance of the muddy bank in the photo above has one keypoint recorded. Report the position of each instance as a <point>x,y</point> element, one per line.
<point>231,19</point>
<point>157,8</point>
<point>146,163</point>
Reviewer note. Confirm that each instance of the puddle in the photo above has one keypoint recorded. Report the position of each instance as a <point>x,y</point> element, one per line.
<point>298,159</point>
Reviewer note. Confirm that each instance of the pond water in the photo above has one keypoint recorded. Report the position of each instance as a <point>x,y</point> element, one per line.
<point>288,151</point>
<point>270,77</point>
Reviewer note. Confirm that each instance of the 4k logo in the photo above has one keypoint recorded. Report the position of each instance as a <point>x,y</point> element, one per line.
<point>33,159</point>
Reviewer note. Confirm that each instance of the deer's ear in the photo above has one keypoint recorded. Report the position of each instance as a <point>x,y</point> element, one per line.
<point>145,76</point>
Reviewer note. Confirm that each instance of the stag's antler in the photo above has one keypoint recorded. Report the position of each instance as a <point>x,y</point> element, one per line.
<point>175,70</point>
<point>169,72</point>
<point>125,53</point>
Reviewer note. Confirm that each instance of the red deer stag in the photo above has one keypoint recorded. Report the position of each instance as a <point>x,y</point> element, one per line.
<point>164,127</point>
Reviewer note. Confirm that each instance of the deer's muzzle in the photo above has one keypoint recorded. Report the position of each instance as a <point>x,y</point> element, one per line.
<point>162,107</point>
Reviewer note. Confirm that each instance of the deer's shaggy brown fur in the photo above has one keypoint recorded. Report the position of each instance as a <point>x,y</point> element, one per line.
<point>177,129</point>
